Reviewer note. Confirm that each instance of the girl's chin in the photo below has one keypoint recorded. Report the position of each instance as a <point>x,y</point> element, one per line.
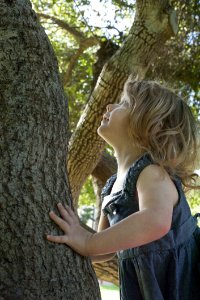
<point>103,133</point>
<point>101,130</point>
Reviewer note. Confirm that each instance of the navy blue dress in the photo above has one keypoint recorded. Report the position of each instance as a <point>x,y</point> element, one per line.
<point>166,269</point>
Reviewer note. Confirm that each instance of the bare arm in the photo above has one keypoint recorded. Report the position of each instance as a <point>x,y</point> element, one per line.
<point>103,224</point>
<point>157,196</point>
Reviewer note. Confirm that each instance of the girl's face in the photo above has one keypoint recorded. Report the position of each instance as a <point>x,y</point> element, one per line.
<point>115,123</point>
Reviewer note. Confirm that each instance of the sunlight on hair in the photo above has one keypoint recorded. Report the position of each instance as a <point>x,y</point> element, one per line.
<point>162,124</point>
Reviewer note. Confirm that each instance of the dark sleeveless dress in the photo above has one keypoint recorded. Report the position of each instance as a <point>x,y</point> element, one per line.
<point>168,268</point>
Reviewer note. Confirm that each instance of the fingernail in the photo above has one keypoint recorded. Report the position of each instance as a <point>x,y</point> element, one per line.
<point>59,204</point>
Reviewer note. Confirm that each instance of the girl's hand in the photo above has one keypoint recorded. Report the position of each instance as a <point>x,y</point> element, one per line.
<point>74,236</point>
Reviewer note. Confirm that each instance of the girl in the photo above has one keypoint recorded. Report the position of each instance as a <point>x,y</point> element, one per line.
<point>145,216</point>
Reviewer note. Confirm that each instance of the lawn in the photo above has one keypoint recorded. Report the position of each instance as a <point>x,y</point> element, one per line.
<point>109,292</point>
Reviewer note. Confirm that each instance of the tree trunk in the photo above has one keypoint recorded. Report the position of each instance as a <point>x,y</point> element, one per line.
<point>33,166</point>
<point>154,23</point>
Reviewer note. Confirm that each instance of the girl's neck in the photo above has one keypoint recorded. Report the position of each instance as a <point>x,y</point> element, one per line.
<point>126,157</point>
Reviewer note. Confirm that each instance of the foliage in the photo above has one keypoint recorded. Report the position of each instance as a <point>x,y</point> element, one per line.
<point>86,214</point>
<point>86,203</point>
<point>87,196</point>
<point>182,55</point>
<point>194,201</point>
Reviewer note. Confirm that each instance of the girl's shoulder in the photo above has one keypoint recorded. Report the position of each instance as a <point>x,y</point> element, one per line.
<point>154,182</point>
<point>146,173</point>
<point>153,173</point>
<point>135,170</point>
<point>149,170</point>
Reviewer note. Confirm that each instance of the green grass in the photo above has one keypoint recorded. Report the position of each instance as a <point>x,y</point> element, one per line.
<point>109,292</point>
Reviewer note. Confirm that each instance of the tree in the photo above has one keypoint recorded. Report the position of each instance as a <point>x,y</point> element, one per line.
<point>33,166</point>
<point>39,185</point>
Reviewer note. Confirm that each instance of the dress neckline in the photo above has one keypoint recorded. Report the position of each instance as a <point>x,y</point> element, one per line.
<point>114,177</point>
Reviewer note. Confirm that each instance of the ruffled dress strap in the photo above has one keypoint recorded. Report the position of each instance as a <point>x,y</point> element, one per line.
<point>123,202</point>
<point>134,172</point>
<point>108,186</point>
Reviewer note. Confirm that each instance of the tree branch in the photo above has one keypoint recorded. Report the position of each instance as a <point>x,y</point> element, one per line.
<point>148,34</point>
<point>83,42</point>
<point>74,59</point>
<point>62,24</point>
<point>161,11</point>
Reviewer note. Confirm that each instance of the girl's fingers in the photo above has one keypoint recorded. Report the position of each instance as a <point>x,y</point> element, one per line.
<point>59,221</point>
<point>70,211</point>
<point>57,239</point>
<point>67,213</point>
<point>64,213</point>
<point>67,220</point>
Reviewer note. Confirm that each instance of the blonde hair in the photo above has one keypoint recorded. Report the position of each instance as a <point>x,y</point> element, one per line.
<point>162,124</point>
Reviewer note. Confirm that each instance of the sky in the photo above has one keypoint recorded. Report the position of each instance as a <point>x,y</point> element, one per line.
<point>99,11</point>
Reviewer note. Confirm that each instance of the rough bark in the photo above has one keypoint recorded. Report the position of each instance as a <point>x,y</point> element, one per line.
<point>104,53</point>
<point>154,23</point>
<point>33,166</point>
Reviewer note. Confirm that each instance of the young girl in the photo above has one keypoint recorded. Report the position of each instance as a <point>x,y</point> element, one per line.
<point>145,216</point>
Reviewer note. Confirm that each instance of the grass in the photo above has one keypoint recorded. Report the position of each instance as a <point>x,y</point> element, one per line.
<point>109,292</point>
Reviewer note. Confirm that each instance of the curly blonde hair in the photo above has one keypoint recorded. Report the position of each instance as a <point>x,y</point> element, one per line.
<point>162,124</point>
